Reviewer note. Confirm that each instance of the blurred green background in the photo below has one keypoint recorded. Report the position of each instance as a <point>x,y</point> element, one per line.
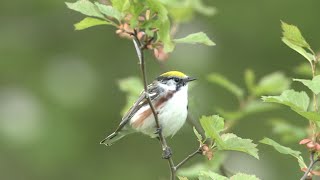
<point>59,95</point>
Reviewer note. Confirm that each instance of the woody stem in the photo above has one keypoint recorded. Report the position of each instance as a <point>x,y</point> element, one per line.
<point>140,52</point>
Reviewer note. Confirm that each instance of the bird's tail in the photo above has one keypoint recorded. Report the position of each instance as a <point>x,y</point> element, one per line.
<point>109,140</point>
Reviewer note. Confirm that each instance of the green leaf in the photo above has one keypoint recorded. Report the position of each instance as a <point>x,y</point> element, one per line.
<point>85,7</point>
<point>242,176</point>
<point>313,85</point>
<point>182,178</point>
<point>225,83</point>
<point>109,11</point>
<point>295,100</point>
<point>132,86</point>
<point>293,34</point>
<point>273,83</point>
<point>120,5</point>
<point>298,101</point>
<point>89,22</point>
<point>235,143</point>
<point>293,38</point>
<point>196,38</point>
<point>203,9</point>
<point>299,49</point>
<point>164,36</point>
<point>287,131</point>
<point>284,150</point>
<point>249,78</point>
<point>212,126</point>
<point>304,69</point>
<point>199,137</point>
<point>209,175</point>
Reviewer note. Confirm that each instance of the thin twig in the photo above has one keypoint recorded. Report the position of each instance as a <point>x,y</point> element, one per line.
<point>312,163</point>
<point>140,52</point>
<point>198,151</point>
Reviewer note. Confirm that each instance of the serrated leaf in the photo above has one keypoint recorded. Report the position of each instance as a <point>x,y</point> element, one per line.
<point>313,85</point>
<point>196,38</point>
<point>295,100</point>
<point>199,137</point>
<point>293,34</point>
<point>242,176</point>
<point>85,7</point>
<point>284,150</point>
<point>209,175</point>
<point>225,83</point>
<point>132,86</point>
<point>109,11</point>
<point>120,5</point>
<point>89,22</point>
<point>182,178</point>
<point>273,83</point>
<point>299,49</point>
<point>212,126</point>
<point>287,131</point>
<point>235,143</point>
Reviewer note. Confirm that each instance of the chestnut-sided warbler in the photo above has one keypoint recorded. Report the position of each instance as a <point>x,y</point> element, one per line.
<point>169,96</point>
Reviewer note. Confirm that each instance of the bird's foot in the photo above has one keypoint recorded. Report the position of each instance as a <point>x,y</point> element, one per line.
<point>158,131</point>
<point>167,153</point>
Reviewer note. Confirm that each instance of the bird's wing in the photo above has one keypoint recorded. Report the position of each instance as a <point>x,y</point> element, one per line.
<point>154,93</point>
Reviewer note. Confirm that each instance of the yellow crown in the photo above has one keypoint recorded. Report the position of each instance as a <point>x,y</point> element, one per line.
<point>174,74</point>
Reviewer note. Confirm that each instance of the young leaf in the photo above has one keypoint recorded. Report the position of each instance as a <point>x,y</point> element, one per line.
<point>196,38</point>
<point>182,178</point>
<point>109,11</point>
<point>209,175</point>
<point>85,7</point>
<point>212,126</point>
<point>273,83</point>
<point>199,137</point>
<point>242,176</point>
<point>293,34</point>
<point>284,150</point>
<point>292,37</point>
<point>228,85</point>
<point>120,5</point>
<point>89,22</point>
<point>295,100</point>
<point>235,143</point>
<point>313,85</point>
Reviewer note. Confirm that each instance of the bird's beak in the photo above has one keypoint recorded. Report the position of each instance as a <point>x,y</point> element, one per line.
<point>188,79</point>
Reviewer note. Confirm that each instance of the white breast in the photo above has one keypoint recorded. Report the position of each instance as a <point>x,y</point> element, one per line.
<point>172,115</point>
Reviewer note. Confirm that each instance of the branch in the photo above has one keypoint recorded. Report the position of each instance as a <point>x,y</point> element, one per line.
<point>312,163</point>
<point>198,151</point>
<point>166,149</point>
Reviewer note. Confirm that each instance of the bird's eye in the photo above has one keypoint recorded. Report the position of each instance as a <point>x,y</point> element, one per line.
<point>176,80</point>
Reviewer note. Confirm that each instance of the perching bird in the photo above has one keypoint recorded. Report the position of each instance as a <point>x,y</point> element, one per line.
<point>169,96</point>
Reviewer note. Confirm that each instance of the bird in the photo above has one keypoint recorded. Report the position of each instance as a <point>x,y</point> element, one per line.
<point>169,96</point>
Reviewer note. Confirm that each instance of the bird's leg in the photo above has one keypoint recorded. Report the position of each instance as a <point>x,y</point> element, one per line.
<point>166,151</point>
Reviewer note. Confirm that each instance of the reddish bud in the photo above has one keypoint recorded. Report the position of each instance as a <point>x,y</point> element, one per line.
<point>305,141</point>
<point>160,54</point>
<point>206,151</point>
